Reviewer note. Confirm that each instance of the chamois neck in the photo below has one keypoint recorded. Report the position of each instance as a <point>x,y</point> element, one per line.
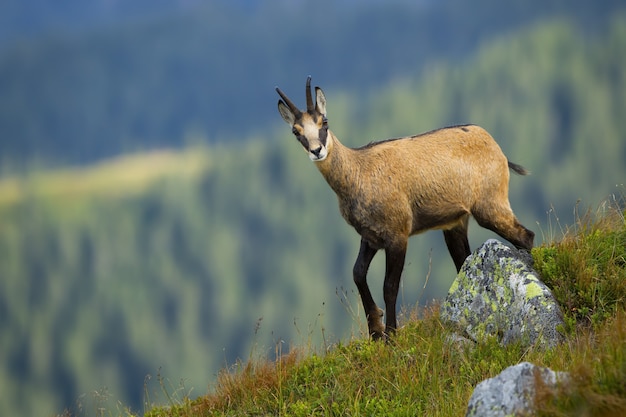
<point>339,168</point>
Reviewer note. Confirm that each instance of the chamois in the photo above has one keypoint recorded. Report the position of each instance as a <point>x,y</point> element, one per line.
<point>396,188</point>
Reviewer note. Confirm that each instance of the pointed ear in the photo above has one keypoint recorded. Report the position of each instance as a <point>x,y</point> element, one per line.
<point>286,113</point>
<point>320,101</point>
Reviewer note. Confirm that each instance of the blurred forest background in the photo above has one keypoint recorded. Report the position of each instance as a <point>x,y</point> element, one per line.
<point>157,219</point>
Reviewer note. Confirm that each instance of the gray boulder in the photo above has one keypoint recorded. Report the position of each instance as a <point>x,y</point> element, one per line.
<point>512,392</point>
<point>497,293</point>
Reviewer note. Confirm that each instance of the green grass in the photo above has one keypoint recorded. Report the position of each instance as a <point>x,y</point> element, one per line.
<point>422,372</point>
<point>586,270</point>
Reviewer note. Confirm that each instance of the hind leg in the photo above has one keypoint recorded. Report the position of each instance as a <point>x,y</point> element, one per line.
<point>458,245</point>
<point>502,221</point>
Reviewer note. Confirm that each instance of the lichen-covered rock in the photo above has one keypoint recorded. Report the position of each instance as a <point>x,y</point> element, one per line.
<point>497,293</point>
<point>512,392</point>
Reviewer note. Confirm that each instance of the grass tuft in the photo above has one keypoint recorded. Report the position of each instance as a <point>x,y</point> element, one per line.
<point>586,270</point>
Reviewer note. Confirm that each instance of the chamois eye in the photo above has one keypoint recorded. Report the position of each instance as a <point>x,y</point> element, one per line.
<point>294,131</point>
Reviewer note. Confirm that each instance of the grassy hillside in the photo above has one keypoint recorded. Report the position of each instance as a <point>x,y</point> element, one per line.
<point>422,373</point>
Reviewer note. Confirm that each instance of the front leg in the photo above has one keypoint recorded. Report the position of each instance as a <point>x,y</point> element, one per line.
<point>372,312</point>
<point>458,245</point>
<point>395,255</point>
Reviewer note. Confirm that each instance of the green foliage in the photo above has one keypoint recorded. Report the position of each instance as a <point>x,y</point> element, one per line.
<point>586,269</point>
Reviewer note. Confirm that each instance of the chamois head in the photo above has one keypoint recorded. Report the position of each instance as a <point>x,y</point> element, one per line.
<point>310,127</point>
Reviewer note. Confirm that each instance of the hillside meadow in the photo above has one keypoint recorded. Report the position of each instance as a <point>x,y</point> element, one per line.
<point>423,372</point>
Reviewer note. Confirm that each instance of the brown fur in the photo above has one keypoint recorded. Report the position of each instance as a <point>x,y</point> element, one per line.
<point>393,189</point>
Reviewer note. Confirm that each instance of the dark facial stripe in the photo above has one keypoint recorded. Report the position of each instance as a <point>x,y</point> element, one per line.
<point>323,134</point>
<point>304,141</point>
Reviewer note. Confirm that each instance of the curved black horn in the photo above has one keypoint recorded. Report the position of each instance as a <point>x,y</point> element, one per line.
<point>309,99</point>
<point>288,102</point>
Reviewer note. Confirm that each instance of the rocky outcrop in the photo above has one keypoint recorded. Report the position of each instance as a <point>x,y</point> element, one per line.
<point>497,293</point>
<point>513,391</point>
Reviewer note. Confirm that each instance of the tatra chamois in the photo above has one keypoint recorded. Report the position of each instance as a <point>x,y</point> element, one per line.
<point>392,189</point>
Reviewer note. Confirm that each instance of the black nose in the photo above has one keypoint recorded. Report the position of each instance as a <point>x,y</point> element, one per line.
<point>316,151</point>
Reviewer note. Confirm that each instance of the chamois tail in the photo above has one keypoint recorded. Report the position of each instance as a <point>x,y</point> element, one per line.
<point>518,168</point>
